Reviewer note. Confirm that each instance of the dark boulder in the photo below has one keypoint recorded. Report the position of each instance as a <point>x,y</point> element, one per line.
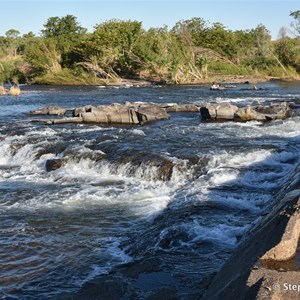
<point>53,164</point>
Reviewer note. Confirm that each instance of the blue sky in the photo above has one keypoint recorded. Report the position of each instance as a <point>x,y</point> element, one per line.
<point>28,16</point>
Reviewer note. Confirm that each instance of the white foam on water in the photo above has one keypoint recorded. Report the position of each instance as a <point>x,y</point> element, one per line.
<point>245,100</point>
<point>87,184</point>
<point>253,203</point>
<point>140,199</point>
<point>113,254</point>
<point>237,161</point>
<point>232,178</point>
<point>138,132</point>
<point>253,129</point>
<point>192,233</point>
<point>220,234</point>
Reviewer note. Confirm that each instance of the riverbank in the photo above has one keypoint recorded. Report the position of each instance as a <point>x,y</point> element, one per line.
<point>129,82</point>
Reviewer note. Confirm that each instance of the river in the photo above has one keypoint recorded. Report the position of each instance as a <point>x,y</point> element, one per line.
<point>180,191</point>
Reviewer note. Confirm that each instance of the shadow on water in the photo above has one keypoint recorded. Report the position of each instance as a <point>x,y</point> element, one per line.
<point>177,254</point>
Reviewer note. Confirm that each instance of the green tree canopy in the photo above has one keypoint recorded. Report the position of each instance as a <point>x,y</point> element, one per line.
<point>12,33</point>
<point>296,24</point>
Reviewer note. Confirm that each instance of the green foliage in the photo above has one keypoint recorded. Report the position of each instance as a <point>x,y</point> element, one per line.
<point>111,46</point>
<point>12,33</point>
<point>152,49</point>
<point>43,55</point>
<point>192,51</point>
<point>224,68</point>
<point>66,29</point>
<point>296,23</point>
<point>68,35</point>
<point>9,72</point>
<point>76,76</point>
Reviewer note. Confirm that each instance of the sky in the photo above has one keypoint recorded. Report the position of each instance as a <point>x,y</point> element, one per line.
<point>26,16</point>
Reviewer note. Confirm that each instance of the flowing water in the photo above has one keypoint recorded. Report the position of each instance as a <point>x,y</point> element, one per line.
<point>179,190</point>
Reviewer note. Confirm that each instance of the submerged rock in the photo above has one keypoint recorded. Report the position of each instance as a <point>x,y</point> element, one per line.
<point>175,107</point>
<point>53,164</point>
<point>49,110</point>
<point>143,165</point>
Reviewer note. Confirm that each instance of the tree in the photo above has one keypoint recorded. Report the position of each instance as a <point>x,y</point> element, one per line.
<point>153,50</point>
<point>68,33</point>
<point>43,56</point>
<point>111,45</point>
<point>288,52</point>
<point>67,26</point>
<point>12,33</point>
<point>12,41</point>
<point>296,23</point>
<point>196,29</point>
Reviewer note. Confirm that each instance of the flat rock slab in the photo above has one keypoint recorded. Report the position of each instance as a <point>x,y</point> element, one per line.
<point>218,111</point>
<point>271,284</point>
<point>229,112</point>
<point>126,114</point>
<point>49,110</point>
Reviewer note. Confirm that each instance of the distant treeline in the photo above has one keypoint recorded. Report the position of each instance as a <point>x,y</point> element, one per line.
<point>192,51</point>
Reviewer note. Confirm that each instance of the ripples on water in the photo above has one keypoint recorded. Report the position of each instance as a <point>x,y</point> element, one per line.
<point>180,190</point>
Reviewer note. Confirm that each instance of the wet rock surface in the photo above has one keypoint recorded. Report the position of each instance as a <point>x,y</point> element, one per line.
<point>53,164</point>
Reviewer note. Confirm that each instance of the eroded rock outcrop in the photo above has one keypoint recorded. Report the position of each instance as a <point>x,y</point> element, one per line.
<point>218,111</point>
<point>226,111</point>
<point>140,113</point>
<point>127,114</point>
<point>264,113</point>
